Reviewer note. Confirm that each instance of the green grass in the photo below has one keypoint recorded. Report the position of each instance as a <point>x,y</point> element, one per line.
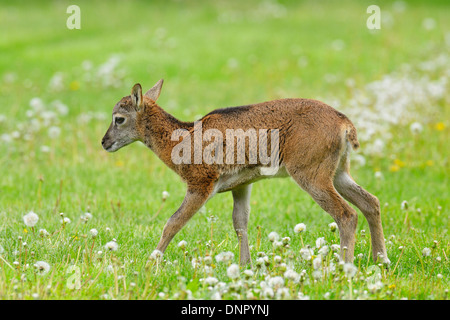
<point>211,55</point>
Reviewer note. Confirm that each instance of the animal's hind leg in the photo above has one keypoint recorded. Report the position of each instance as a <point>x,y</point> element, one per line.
<point>241,213</point>
<point>369,206</point>
<point>318,183</point>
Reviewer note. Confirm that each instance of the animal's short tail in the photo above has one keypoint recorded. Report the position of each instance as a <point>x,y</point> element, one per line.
<point>351,136</point>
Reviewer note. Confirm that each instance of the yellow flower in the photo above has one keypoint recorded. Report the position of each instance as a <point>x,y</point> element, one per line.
<point>392,286</point>
<point>394,168</point>
<point>25,230</point>
<point>119,163</point>
<point>74,85</point>
<point>399,163</point>
<point>430,163</point>
<point>440,126</point>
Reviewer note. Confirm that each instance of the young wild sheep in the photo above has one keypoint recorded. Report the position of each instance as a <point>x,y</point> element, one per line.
<point>309,141</point>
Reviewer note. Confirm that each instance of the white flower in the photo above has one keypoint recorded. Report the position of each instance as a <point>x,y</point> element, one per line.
<point>291,275</point>
<point>30,219</point>
<point>165,195</point>
<point>320,242</point>
<point>360,160</point>
<point>194,262</point>
<point>429,24</point>
<point>350,270</point>
<point>374,286</point>
<point>112,246</point>
<point>15,134</point>
<point>6,137</point>
<point>302,296</point>
<point>426,252</point>
<point>54,132</point>
<point>248,273</point>
<point>404,205</point>
<point>233,271</point>
<point>43,233</point>
<point>156,255</point>
<point>42,267</point>
<point>317,262</point>
<point>276,282</point>
<point>378,175</point>
<point>1,249</point>
<point>300,228</point>
<point>277,244</point>
<point>87,216</point>
<point>182,244</point>
<point>306,253</point>
<point>93,232</point>
<point>45,149</point>
<point>333,226</point>
<point>60,107</point>
<point>37,104</point>
<point>211,281</point>
<point>216,296</point>
<point>335,247</point>
<point>268,292</point>
<point>66,220</point>
<point>416,128</point>
<point>225,256</point>
<point>324,250</point>
<point>273,236</point>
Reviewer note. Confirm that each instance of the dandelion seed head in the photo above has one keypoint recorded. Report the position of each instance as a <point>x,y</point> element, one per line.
<point>233,271</point>
<point>43,233</point>
<point>333,226</point>
<point>426,252</point>
<point>416,128</point>
<point>404,205</point>
<point>66,220</point>
<point>30,219</point>
<point>248,273</point>
<point>211,281</point>
<point>54,132</point>
<point>320,242</point>
<point>225,257</point>
<point>156,255</point>
<point>112,246</point>
<point>93,233</point>
<point>301,227</point>
<point>42,267</point>
<point>273,236</point>
<point>324,250</point>
<point>350,270</point>
<point>306,254</point>
<point>182,244</point>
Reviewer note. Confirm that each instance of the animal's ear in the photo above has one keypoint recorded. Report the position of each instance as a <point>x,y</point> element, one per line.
<point>154,92</point>
<point>136,95</point>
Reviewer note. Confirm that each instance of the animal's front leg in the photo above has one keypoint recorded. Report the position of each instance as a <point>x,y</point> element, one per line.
<point>241,213</point>
<point>192,202</point>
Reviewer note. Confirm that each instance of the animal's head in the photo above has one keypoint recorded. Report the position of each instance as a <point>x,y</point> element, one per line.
<point>123,128</point>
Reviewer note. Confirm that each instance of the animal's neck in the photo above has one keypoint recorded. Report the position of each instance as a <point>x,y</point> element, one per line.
<point>156,127</point>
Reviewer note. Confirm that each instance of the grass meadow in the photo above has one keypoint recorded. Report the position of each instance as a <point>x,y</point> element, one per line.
<point>57,90</point>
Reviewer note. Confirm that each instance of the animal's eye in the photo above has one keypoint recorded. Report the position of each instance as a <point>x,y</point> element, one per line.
<point>120,120</point>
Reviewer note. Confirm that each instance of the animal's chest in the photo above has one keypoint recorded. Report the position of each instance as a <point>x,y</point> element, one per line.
<point>228,182</point>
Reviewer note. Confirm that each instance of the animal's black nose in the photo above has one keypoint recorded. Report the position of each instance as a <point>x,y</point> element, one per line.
<point>103,141</point>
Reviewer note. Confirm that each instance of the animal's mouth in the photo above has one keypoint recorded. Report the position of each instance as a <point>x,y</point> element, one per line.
<point>110,148</point>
